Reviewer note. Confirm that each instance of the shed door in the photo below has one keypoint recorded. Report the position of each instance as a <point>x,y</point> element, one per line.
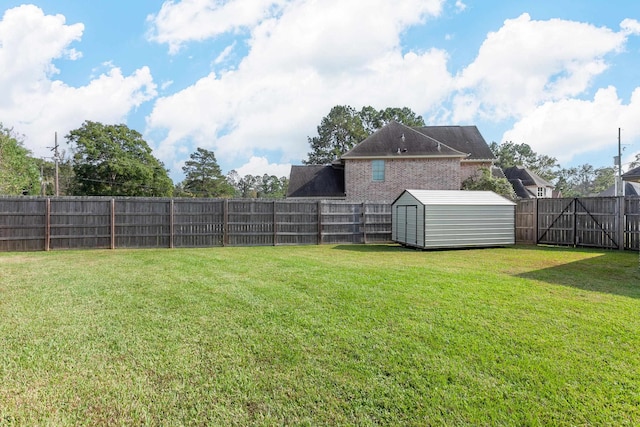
<point>406,224</point>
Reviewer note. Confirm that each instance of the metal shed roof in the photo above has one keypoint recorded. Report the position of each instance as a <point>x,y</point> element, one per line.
<point>458,197</point>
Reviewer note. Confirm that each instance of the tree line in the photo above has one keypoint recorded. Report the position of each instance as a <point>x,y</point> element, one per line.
<point>114,160</point>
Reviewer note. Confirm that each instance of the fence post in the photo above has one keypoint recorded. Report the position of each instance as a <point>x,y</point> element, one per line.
<point>47,229</point>
<point>536,231</point>
<point>319,222</point>
<point>363,217</point>
<point>113,223</point>
<point>171,224</point>
<point>275,225</point>
<point>225,222</point>
<point>621,222</point>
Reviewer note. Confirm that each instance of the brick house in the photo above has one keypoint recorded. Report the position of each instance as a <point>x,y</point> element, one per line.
<point>395,158</point>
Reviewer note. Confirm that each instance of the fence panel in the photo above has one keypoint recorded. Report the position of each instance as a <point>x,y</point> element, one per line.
<point>377,223</point>
<point>526,221</point>
<point>596,222</point>
<point>142,223</point>
<point>296,223</point>
<point>556,221</point>
<point>342,222</point>
<point>23,224</point>
<point>250,223</point>
<point>80,223</point>
<point>632,223</point>
<point>198,223</point>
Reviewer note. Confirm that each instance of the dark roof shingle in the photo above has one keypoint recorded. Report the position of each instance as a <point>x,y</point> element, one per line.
<point>632,175</point>
<point>314,181</point>
<point>396,139</point>
<point>526,176</point>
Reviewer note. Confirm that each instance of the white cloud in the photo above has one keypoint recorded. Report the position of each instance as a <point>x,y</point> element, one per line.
<point>630,26</point>
<point>29,41</point>
<point>35,104</point>
<point>224,54</point>
<point>179,22</point>
<point>261,165</point>
<point>527,62</point>
<point>569,127</point>
<point>300,64</point>
<point>460,6</point>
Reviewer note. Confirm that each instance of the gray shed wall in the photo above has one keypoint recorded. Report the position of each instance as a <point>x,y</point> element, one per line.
<point>452,225</point>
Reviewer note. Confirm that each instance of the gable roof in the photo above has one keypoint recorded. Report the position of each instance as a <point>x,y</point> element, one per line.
<point>457,197</point>
<point>316,181</point>
<point>527,176</point>
<point>465,139</point>
<point>395,139</point>
<point>522,192</point>
<point>630,189</point>
<point>632,175</point>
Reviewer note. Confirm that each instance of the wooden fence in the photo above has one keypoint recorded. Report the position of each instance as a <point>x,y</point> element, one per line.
<point>31,224</point>
<point>602,222</point>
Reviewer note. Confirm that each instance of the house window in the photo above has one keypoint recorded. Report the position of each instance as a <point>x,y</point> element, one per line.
<point>541,192</point>
<point>377,166</point>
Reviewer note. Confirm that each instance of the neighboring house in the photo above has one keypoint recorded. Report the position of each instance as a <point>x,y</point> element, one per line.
<point>631,181</point>
<point>528,184</point>
<point>632,175</point>
<point>630,189</point>
<point>395,158</point>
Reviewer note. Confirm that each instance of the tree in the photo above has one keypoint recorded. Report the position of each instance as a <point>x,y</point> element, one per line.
<point>256,186</point>
<point>48,176</point>
<point>373,119</point>
<point>584,180</point>
<point>635,163</point>
<point>485,181</point>
<point>272,187</point>
<point>510,154</point>
<point>113,160</point>
<point>338,133</point>
<point>344,127</point>
<point>203,176</point>
<point>19,173</point>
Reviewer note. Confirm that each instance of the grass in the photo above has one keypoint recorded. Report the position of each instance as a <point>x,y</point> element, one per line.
<point>320,335</point>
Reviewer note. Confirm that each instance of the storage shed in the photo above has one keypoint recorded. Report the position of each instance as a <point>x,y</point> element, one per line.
<point>452,219</point>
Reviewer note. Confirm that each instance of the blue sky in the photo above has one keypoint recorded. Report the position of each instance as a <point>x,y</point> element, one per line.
<point>251,79</point>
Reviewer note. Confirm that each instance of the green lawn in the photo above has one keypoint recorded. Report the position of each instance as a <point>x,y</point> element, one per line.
<point>320,335</point>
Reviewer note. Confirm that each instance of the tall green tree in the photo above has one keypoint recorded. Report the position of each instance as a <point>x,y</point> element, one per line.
<point>584,180</point>
<point>272,187</point>
<point>373,119</point>
<point>485,181</point>
<point>344,127</point>
<point>510,154</point>
<point>113,160</point>
<point>203,176</point>
<point>338,132</point>
<point>19,174</point>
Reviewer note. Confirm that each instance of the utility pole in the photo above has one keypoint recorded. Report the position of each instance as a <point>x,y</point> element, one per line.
<point>56,158</point>
<point>619,179</point>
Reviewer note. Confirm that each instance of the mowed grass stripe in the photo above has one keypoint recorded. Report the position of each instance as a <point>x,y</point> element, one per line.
<point>320,335</point>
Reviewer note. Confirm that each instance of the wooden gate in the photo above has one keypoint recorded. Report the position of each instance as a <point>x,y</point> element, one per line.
<point>592,222</point>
